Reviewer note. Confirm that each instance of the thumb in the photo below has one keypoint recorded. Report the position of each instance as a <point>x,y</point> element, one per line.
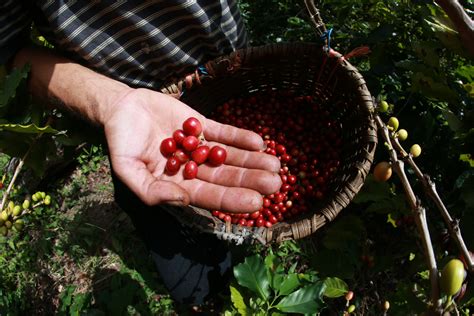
<point>149,189</point>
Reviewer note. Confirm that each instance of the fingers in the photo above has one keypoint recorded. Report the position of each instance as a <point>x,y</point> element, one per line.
<point>230,176</point>
<point>250,159</point>
<point>216,197</point>
<point>148,188</point>
<point>233,136</point>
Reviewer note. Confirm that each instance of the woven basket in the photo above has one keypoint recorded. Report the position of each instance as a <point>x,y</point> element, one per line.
<point>304,69</point>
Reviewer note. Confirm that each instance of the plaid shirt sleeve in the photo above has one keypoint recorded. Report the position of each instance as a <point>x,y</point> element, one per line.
<point>14,28</point>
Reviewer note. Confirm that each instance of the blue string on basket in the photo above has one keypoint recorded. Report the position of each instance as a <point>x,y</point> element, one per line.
<point>327,36</point>
<point>201,70</point>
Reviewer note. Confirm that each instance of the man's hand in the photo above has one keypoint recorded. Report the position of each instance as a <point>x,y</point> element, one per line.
<point>135,126</point>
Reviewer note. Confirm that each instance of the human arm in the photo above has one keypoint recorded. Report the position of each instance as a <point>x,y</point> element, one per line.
<point>135,121</point>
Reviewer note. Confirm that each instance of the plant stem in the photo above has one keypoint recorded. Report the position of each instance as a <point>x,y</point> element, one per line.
<point>418,210</point>
<point>430,190</point>
<point>12,182</point>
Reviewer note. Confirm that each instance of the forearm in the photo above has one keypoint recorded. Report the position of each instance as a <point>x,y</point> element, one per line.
<point>69,85</point>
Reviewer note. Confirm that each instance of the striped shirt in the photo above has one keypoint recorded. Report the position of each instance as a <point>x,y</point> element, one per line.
<point>139,42</point>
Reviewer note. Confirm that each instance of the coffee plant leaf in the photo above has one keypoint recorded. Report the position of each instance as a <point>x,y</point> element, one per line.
<point>289,283</point>
<point>238,301</point>
<point>454,122</point>
<point>467,72</point>
<point>335,287</point>
<point>432,88</point>
<point>373,191</point>
<point>28,129</point>
<point>9,87</point>
<point>344,232</point>
<point>253,274</point>
<point>305,300</point>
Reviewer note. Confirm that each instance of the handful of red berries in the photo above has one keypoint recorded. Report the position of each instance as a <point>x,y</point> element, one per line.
<point>187,147</point>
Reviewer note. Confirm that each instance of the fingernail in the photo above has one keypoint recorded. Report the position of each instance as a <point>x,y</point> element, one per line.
<point>175,202</point>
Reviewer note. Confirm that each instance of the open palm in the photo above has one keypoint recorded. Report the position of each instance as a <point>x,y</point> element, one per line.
<point>143,118</point>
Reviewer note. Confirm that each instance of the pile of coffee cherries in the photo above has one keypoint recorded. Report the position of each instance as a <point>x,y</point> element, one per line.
<point>302,135</point>
<point>186,147</point>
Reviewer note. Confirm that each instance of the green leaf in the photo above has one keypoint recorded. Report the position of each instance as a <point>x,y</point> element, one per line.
<point>448,36</point>
<point>305,301</point>
<point>288,284</point>
<point>373,191</point>
<point>432,88</point>
<point>344,233</point>
<point>12,82</point>
<point>467,72</point>
<point>238,301</point>
<point>29,129</point>
<point>335,287</point>
<point>453,121</point>
<point>426,51</point>
<point>252,274</point>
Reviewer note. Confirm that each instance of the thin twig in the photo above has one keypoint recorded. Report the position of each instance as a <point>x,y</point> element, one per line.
<point>418,210</point>
<point>12,182</point>
<point>430,190</point>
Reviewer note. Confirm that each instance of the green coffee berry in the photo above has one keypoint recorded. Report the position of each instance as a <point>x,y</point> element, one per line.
<point>402,134</point>
<point>16,210</point>
<point>393,123</point>
<point>26,204</point>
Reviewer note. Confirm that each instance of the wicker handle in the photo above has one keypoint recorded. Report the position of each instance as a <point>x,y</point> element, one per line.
<point>315,17</point>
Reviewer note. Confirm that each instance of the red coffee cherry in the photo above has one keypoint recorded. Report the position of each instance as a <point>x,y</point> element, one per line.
<point>172,165</point>
<point>217,156</point>
<point>168,147</point>
<point>200,154</point>
<point>192,127</point>
<point>190,170</point>
<point>190,143</point>
<point>181,155</point>
<point>179,136</point>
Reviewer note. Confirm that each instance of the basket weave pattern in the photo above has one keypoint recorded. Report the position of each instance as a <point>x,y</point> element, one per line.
<point>304,69</point>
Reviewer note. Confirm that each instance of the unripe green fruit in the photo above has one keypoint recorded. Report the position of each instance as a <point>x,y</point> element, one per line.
<point>42,195</point>
<point>393,123</point>
<point>383,106</point>
<point>16,210</point>
<point>351,309</point>
<point>415,150</point>
<point>4,215</point>
<point>452,277</point>
<point>11,205</point>
<point>26,204</point>
<point>3,231</point>
<point>35,197</point>
<point>402,134</point>
<point>47,200</point>
<point>18,224</point>
<point>8,224</point>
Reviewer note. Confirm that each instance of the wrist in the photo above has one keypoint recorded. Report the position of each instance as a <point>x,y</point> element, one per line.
<point>105,99</point>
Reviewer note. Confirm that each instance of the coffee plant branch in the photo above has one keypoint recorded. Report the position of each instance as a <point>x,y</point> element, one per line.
<point>430,190</point>
<point>418,210</point>
<point>15,175</point>
<point>462,22</point>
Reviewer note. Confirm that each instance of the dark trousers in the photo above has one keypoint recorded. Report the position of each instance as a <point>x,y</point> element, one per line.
<point>194,266</point>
